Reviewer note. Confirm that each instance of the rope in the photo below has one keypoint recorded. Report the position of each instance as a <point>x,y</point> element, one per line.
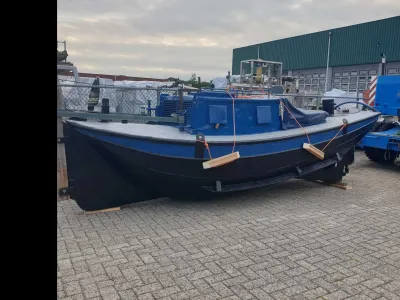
<point>207,147</point>
<point>341,128</point>
<point>308,138</point>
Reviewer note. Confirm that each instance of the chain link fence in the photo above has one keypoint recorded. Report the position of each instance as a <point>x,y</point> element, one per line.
<point>122,99</point>
<point>83,97</point>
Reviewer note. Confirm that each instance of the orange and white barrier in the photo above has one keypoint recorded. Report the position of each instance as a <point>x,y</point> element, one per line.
<point>372,91</point>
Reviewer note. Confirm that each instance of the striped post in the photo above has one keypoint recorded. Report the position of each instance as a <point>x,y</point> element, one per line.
<point>372,91</point>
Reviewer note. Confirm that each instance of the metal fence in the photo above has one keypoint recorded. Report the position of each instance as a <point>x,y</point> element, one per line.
<point>122,101</point>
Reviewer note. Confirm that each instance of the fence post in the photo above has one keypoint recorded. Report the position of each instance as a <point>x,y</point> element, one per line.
<point>62,174</point>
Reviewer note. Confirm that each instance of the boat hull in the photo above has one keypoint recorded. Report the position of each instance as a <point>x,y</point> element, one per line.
<point>104,174</point>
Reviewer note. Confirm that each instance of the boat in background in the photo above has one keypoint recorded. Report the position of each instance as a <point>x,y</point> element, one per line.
<point>226,141</point>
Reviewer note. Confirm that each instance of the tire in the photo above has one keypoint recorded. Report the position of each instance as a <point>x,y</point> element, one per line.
<point>380,155</point>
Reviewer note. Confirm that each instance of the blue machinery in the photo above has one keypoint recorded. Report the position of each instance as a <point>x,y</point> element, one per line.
<point>382,143</point>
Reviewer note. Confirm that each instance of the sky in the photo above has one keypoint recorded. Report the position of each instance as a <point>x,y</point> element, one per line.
<point>176,38</point>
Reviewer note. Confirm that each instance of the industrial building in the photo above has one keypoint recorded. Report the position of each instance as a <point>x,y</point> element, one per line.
<point>345,57</point>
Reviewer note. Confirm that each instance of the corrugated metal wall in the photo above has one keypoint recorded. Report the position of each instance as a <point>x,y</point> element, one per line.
<point>351,45</point>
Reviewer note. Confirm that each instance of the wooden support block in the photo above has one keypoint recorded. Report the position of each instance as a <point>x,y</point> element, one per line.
<point>314,151</point>
<point>340,185</point>
<point>102,210</point>
<point>217,162</point>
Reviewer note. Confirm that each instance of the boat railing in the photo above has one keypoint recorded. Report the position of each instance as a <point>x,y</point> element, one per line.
<point>310,101</point>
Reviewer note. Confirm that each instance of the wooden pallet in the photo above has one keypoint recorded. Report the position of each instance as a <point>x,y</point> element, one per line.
<point>102,210</point>
<point>340,185</point>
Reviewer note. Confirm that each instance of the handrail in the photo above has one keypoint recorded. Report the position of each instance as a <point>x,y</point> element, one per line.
<point>355,102</point>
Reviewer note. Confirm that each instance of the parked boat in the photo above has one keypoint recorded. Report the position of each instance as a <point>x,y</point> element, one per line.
<point>262,140</point>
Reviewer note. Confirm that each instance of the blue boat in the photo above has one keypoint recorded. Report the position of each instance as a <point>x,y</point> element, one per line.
<point>226,142</point>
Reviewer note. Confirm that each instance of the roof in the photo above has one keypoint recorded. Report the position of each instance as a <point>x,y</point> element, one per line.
<point>351,45</point>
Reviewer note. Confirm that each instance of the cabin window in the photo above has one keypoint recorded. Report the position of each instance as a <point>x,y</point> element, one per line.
<point>263,114</point>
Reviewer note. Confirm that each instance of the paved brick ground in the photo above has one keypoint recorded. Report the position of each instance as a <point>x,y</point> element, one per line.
<point>297,240</point>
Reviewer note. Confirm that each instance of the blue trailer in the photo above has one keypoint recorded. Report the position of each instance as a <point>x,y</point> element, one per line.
<point>382,143</point>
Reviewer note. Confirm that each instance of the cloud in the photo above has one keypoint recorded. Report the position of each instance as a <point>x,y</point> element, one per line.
<point>162,38</point>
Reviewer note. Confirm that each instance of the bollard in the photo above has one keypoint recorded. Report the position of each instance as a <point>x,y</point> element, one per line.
<point>328,105</point>
<point>105,108</point>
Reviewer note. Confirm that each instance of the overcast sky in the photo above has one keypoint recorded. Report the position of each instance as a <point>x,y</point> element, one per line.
<point>162,38</point>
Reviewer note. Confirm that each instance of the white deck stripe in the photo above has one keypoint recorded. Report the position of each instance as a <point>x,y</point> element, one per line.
<point>173,134</point>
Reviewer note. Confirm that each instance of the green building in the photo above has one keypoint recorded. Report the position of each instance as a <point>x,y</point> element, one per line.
<point>354,55</point>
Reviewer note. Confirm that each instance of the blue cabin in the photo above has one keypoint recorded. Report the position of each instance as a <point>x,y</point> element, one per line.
<point>211,113</point>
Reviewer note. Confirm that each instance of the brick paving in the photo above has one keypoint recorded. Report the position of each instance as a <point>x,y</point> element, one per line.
<point>296,240</point>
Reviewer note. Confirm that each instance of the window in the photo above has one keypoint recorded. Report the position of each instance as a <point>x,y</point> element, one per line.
<point>353,86</point>
<point>307,88</point>
<point>363,73</point>
<point>353,79</point>
<point>345,79</point>
<point>353,73</point>
<point>336,86</point>
<point>362,79</point>
<point>301,81</point>
<point>315,81</point>
<point>346,73</point>
<point>308,81</point>
<point>344,87</point>
<point>336,80</point>
<point>322,81</point>
<point>308,75</point>
<point>314,87</point>
<point>315,75</point>
<point>322,75</point>
<point>361,86</point>
<point>372,72</point>
<point>391,71</point>
<point>337,74</point>
<point>302,75</point>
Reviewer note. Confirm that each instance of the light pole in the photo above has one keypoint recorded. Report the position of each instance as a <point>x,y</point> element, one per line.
<point>327,62</point>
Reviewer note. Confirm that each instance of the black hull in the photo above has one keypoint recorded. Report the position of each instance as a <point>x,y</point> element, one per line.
<point>104,175</point>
